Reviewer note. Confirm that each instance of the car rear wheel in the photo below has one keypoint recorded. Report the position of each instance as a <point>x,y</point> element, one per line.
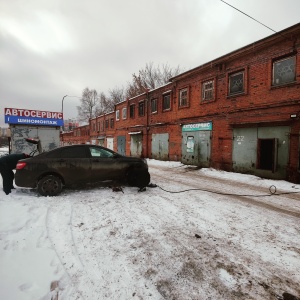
<point>139,178</point>
<point>49,185</point>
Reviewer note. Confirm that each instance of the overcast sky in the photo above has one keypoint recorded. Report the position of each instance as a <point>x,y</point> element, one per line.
<point>49,49</point>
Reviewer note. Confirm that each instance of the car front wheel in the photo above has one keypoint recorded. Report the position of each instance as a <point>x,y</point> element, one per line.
<point>49,185</point>
<point>139,178</point>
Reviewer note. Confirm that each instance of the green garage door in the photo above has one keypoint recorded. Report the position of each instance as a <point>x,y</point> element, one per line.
<point>196,148</point>
<point>160,146</point>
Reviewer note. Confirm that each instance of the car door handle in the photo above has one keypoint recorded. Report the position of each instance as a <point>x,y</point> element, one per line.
<point>95,160</point>
<point>61,160</point>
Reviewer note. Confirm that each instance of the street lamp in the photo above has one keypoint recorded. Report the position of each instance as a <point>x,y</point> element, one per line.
<point>62,111</point>
<point>62,103</point>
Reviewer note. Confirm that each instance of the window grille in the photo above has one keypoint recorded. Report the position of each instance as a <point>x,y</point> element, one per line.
<point>236,83</point>
<point>284,71</point>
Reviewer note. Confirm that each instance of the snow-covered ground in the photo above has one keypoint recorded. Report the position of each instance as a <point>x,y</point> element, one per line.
<point>207,242</point>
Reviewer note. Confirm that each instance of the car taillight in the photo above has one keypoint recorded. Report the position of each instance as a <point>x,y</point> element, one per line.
<point>21,165</point>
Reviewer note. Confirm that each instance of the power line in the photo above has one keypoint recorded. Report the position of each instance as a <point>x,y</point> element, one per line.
<point>248,16</point>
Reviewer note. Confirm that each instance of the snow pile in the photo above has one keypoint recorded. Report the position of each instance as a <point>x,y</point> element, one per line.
<point>200,244</point>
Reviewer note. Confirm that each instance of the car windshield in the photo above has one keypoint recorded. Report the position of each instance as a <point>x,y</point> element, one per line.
<point>100,152</point>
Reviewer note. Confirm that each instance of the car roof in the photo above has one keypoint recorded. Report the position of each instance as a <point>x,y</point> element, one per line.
<point>58,149</point>
<point>82,145</point>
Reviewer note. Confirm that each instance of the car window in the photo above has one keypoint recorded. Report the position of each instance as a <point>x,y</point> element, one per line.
<point>73,152</point>
<point>99,152</point>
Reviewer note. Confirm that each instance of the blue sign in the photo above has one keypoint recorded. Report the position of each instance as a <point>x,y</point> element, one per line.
<point>33,121</point>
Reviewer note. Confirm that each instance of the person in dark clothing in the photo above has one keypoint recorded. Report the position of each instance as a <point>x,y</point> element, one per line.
<point>7,164</point>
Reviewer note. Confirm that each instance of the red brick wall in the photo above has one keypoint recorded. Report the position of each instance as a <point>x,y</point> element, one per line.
<point>259,104</point>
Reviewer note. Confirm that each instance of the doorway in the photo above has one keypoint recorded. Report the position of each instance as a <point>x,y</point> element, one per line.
<point>267,154</point>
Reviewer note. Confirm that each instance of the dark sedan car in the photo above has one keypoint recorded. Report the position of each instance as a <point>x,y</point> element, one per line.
<point>79,164</point>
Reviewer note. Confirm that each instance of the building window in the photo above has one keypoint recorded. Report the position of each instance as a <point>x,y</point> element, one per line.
<point>106,124</point>
<point>236,83</point>
<point>117,115</point>
<point>124,113</point>
<point>94,127</point>
<point>153,105</point>
<point>111,123</point>
<point>131,110</point>
<point>98,126</point>
<point>284,71</point>
<point>141,109</point>
<point>183,98</point>
<point>166,101</point>
<point>208,90</point>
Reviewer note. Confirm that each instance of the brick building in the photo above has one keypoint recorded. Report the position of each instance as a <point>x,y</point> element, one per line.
<point>79,135</point>
<point>239,112</point>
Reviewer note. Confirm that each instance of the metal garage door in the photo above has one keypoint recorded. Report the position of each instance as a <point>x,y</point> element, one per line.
<point>262,151</point>
<point>160,146</point>
<point>196,148</point>
<point>136,145</point>
<point>244,149</point>
<point>121,141</point>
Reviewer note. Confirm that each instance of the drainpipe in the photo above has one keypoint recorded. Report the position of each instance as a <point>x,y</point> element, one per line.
<point>147,121</point>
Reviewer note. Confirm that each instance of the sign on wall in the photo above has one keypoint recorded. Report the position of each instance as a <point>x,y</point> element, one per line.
<point>33,117</point>
<point>197,126</point>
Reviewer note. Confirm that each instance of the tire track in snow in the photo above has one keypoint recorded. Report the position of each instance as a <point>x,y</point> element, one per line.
<point>59,223</point>
<point>252,201</point>
<point>176,256</point>
<point>229,246</point>
<point>192,173</point>
<point>102,246</point>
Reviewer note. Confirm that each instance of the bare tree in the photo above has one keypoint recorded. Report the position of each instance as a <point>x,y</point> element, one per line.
<point>150,77</point>
<point>105,104</point>
<point>166,72</point>
<point>89,105</point>
<point>116,95</point>
<point>136,87</point>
